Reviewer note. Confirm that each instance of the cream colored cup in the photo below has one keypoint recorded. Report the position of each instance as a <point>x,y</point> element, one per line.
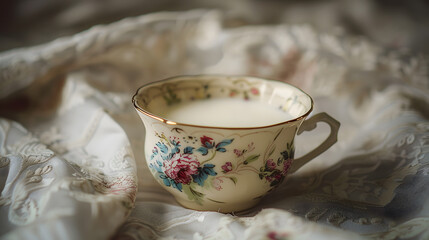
<point>220,168</point>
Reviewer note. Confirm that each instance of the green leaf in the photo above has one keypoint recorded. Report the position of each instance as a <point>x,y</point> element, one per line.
<point>186,189</point>
<point>214,200</point>
<point>251,158</point>
<point>193,195</point>
<point>233,179</point>
<point>196,193</point>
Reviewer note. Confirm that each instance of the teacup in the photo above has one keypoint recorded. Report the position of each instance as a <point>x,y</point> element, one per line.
<point>209,163</point>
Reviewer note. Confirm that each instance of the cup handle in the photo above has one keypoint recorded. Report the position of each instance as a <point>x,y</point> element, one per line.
<point>309,125</point>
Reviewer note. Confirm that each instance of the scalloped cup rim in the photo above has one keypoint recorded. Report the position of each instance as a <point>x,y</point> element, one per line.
<point>170,122</point>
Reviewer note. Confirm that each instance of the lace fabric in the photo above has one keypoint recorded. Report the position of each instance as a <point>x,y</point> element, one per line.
<point>71,145</point>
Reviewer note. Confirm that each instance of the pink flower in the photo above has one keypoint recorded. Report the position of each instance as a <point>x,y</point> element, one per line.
<point>238,153</point>
<point>227,167</point>
<point>275,176</point>
<point>254,91</point>
<point>271,165</point>
<point>278,176</point>
<point>181,167</point>
<point>217,183</point>
<point>286,166</point>
<point>174,140</point>
<point>277,236</point>
<point>251,147</point>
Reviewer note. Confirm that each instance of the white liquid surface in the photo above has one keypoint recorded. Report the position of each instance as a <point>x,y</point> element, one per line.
<point>225,112</point>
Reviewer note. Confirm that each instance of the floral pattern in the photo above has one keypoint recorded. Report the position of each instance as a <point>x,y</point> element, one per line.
<point>270,171</point>
<point>180,168</point>
<point>170,92</point>
<point>246,93</point>
<point>188,167</point>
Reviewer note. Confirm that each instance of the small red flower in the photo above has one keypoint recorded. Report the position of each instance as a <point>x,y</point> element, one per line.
<point>207,142</point>
<point>272,235</point>
<point>278,177</point>
<point>238,153</point>
<point>277,236</point>
<point>286,166</point>
<point>271,165</point>
<point>275,176</point>
<point>254,91</point>
<point>227,167</point>
<point>251,147</point>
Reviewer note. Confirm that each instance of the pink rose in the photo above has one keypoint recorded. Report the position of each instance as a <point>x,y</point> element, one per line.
<point>181,167</point>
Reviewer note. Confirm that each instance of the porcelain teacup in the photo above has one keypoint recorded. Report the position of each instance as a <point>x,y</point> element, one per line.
<point>212,164</point>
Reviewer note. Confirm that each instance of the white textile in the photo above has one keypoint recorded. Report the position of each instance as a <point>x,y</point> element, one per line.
<point>71,143</point>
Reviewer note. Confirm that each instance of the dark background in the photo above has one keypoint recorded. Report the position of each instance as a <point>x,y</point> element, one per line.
<point>393,24</point>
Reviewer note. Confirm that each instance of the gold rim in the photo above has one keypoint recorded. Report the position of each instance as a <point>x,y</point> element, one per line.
<point>169,122</point>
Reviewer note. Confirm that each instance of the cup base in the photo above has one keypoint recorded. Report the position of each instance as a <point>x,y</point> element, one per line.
<point>218,207</point>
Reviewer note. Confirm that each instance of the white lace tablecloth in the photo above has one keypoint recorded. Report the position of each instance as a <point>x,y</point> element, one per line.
<point>71,146</point>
